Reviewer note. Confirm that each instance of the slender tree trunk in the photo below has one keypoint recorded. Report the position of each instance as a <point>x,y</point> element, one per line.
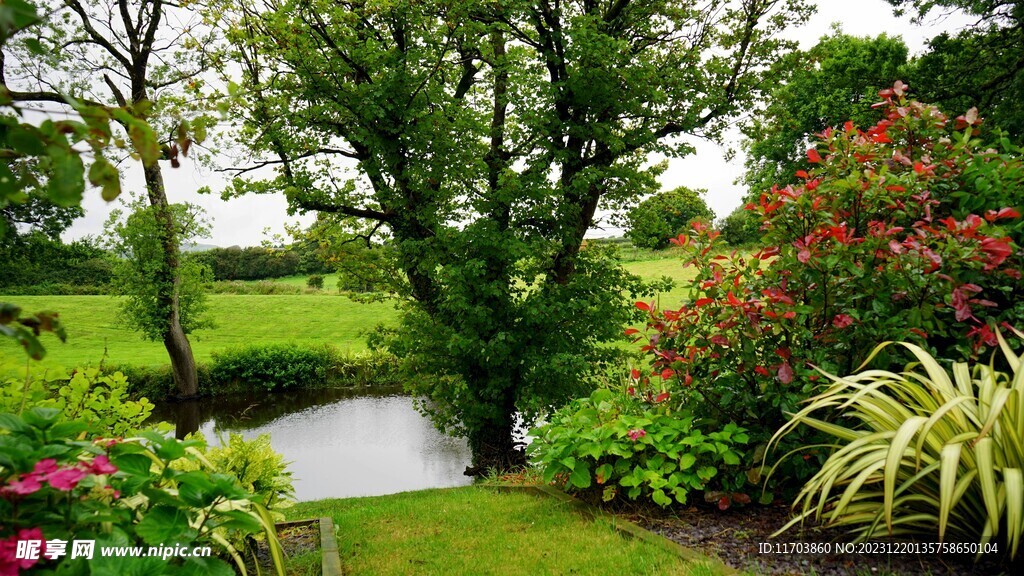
<point>183,364</point>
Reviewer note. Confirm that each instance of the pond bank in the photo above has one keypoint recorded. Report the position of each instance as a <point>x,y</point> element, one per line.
<point>266,369</point>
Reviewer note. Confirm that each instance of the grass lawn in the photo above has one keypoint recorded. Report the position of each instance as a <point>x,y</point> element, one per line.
<point>240,320</point>
<point>479,531</point>
<point>325,318</point>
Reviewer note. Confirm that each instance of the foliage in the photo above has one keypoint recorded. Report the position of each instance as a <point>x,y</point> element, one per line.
<point>35,213</point>
<point>978,66</point>
<point>485,138</point>
<point>262,288</point>
<point>86,395</point>
<point>740,228</point>
<point>932,452</point>
<point>36,264</point>
<point>875,243</point>
<point>56,486</point>
<point>138,275</point>
<point>315,282</point>
<point>259,469</point>
<point>250,263</point>
<point>606,443</point>
<point>834,81</point>
<point>273,367</point>
<point>665,215</point>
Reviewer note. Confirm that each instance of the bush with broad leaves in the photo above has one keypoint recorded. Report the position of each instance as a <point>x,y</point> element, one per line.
<point>909,230</point>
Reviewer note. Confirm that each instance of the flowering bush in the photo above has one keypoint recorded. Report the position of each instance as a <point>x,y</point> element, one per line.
<point>57,489</point>
<point>901,231</point>
<point>605,444</point>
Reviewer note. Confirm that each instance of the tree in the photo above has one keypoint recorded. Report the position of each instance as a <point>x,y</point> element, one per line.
<point>834,81</point>
<point>484,137</point>
<point>36,213</point>
<point>126,53</point>
<point>981,66</point>
<point>665,215</point>
<point>135,237</point>
<point>740,227</point>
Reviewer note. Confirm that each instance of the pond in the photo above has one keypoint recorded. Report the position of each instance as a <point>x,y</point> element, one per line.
<point>340,443</point>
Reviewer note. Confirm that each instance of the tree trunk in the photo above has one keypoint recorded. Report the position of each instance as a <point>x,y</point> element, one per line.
<point>493,443</point>
<point>183,364</point>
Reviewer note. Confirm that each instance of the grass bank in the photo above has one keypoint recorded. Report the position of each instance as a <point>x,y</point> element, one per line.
<point>476,531</point>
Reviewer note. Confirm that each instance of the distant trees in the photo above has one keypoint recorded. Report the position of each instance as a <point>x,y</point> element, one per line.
<point>251,263</point>
<point>665,215</point>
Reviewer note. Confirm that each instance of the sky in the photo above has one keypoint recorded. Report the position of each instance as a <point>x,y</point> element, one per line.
<point>250,220</point>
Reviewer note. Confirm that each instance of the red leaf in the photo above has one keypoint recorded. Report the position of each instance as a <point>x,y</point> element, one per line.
<point>761,370</point>
<point>813,156</point>
<point>848,126</point>
<point>733,300</point>
<point>634,374</point>
<point>687,380</point>
<point>644,306</point>
<point>703,302</point>
<point>631,331</point>
<point>661,397</point>
<point>723,503</point>
<point>803,174</point>
<point>804,256</point>
<point>785,373</point>
<point>667,373</point>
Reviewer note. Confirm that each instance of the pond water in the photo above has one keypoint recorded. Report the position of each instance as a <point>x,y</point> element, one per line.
<point>340,443</point>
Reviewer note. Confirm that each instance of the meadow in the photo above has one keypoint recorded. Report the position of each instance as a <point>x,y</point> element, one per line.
<point>323,317</point>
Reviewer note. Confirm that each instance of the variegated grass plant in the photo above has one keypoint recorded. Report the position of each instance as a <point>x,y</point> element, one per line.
<point>929,451</point>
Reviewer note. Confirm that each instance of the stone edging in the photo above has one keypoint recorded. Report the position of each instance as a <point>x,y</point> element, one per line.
<point>625,527</point>
<point>330,559</point>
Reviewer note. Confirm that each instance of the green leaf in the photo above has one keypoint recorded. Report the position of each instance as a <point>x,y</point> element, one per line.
<point>165,525</point>
<point>67,182</point>
<point>41,417</point>
<point>199,566</point>
<point>103,174</point>
<point>580,476</point>
<point>686,461</point>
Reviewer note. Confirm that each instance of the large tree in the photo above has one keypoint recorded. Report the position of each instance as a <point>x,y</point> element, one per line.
<point>121,57</point>
<point>836,80</point>
<point>485,136</point>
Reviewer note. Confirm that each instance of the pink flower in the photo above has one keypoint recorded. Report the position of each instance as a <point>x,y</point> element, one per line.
<point>65,479</point>
<point>45,466</point>
<point>842,320</point>
<point>28,484</point>
<point>635,435</point>
<point>101,465</point>
<point>10,564</point>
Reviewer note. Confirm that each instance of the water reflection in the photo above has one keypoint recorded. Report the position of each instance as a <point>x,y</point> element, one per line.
<point>340,443</point>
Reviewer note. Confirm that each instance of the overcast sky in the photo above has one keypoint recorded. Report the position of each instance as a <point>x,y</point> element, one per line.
<point>243,221</point>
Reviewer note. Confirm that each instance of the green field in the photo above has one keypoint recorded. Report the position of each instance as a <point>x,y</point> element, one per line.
<point>240,320</point>
<point>323,318</point>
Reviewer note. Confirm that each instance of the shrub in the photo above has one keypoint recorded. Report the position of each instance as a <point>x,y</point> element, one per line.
<point>273,367</point>
<point>118,493</point>
<point>665,215</point>
<point>261,288</point>
<point>933,453</point>
<point>873,245</point>
<point>259,469</point>
<point>601,444</point>
<point>315,281</point>
<point>100,399</point>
